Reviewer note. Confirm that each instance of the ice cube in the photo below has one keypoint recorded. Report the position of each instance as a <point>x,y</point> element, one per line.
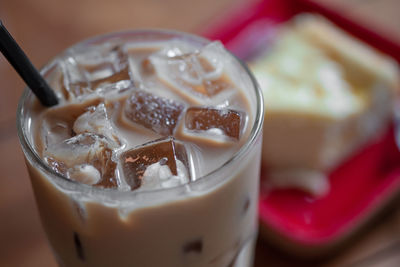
<point>58,166</point>
<point>84,173</point>
<point>214,121</point>
<point>158,164</point>
<point>99,68</point>
<point>96,120</point>
<point>153,112</point>
<point>58,121</point>
<point>54,131</point>
<point>84,149</point>
<point>196,75</point>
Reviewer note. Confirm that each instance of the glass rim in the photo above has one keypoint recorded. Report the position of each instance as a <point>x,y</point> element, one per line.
<point>74,186</point>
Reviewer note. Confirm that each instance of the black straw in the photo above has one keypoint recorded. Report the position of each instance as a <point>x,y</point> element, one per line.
<point>25,68</point>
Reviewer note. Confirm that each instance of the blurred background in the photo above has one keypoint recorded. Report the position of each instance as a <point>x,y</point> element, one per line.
<point>44,28</point>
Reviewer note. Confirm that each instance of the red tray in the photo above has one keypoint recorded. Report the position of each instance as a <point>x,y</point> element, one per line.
<point>360,187</point>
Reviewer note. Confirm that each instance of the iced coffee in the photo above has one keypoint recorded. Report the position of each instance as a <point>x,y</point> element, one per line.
<point>152,156</point>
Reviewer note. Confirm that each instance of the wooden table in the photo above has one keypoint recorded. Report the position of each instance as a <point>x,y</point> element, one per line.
<point>46,27</point>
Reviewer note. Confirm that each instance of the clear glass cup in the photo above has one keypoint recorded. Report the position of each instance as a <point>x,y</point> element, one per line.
<point>209,222</point>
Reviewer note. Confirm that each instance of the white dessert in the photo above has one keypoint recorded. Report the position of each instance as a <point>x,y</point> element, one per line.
<point>326,95</point>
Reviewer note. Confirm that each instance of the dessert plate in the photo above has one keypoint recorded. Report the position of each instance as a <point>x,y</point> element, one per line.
<point>361,187</point>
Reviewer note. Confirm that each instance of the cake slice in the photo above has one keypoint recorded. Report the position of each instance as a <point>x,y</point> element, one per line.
<point>326,95</point>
